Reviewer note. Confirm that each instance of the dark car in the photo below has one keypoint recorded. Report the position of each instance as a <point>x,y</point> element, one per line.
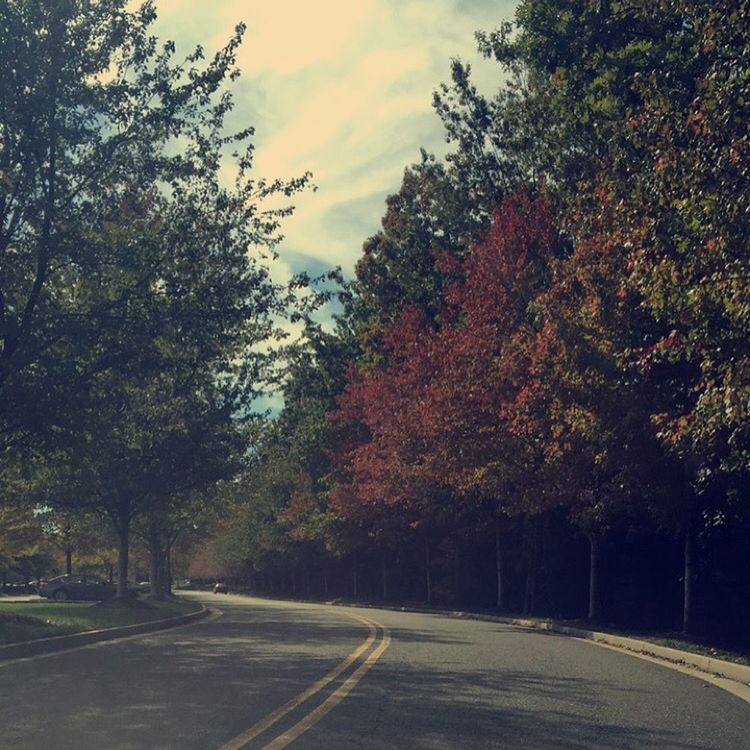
<point>82,586</point>
<point>19,588</point>
<point>220,588</point>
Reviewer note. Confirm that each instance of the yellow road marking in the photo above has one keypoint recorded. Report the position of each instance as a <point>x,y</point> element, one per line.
<point>261,726</point>
<point>333,699</point>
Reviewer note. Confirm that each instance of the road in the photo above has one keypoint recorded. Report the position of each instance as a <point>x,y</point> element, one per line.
<point>410,681</point>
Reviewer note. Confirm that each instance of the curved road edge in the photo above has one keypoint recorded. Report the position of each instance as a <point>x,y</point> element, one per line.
<point>732,677</point>
<point>75,640</point>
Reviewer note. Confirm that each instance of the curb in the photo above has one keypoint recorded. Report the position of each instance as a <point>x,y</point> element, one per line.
<point>718,667</point>
<point>739,673</point>
<point>74,640</point>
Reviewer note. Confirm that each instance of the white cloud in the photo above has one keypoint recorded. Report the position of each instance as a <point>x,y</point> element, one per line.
<point>344,90</point>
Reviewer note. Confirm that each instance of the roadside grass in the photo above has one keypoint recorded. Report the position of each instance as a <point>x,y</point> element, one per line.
<point>27,621</point>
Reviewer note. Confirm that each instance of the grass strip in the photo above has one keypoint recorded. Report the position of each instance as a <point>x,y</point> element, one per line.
<point>27,621</point>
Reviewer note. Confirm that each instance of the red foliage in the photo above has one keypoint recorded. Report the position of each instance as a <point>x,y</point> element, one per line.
<point>435,415</point>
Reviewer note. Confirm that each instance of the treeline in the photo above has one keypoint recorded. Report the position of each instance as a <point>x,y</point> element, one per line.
<point>135,298</point>
<point>537,396</point>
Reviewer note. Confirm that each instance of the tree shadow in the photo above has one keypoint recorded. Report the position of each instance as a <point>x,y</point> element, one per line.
<point>199,686</point>
<point>400,706</point>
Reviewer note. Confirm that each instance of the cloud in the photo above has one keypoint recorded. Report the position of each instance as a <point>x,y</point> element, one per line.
<point>342,89</point>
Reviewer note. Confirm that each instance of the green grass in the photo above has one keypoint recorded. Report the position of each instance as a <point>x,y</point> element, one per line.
<point>26,621</point>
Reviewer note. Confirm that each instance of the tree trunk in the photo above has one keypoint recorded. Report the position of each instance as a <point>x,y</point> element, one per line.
<point>529,599</point>
<point>427,571</point>
<point>153,572</point>
<point>457,573</point>
<point>158,568</point>
<point>122,559</point>
<point>687,601</point>
<point>69,562</point>
<point>325,582</point>
<point>384,574</point>
<point>168,569</point>
<point>153,567</point>
<point>594,603</point>
<point>499,569</point>
<point>355,580</point>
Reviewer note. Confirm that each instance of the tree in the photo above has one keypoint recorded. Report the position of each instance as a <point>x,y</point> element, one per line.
<point>72,533</point>
<point>651,110</point>
<point>98,209</point>
<point>426,219</point>
<point>426,432</point>
<point>131,273</point>
<point>22,544</point>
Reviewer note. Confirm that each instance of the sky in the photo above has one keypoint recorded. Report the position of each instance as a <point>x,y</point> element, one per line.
<point>342,88</point>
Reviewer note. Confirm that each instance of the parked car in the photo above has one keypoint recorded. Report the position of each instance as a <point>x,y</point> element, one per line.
<point>220,588</point>
<point>83,586</point>
<point>19,588</point>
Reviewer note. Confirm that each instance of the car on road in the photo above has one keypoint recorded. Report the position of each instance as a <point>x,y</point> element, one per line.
<point>220,588</point>
<point>83,586</point>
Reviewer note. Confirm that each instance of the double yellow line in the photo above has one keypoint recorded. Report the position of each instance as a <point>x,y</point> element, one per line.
<point>314,716</point>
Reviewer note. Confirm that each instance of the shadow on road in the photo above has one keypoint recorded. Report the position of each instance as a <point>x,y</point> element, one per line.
<point>199,686</point>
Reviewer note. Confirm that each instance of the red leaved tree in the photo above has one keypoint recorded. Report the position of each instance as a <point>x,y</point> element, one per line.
<point>428,434</point>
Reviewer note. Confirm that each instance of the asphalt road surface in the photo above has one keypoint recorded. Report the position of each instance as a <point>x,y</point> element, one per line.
<point>266,674</point>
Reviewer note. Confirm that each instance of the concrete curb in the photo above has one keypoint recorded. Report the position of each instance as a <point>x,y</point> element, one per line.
<point>74,640</point>
<point>731,671</point>
<point>719,667</point>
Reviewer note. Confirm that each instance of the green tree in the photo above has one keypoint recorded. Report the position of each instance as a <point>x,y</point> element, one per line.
<point>109,182</point>
<point>651,105</point>
<point>133,286</point>
<point>23,547</point>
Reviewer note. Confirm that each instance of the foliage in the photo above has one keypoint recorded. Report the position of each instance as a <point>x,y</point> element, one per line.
<point>136,305</point>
